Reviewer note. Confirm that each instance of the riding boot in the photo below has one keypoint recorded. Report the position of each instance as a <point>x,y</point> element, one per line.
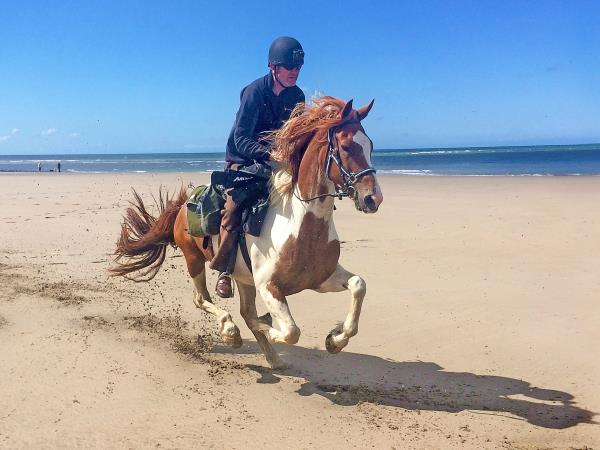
<point>224,287</point>
<point>224,262</point>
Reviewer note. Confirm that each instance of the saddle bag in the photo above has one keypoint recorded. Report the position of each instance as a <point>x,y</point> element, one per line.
<point>204,210</point>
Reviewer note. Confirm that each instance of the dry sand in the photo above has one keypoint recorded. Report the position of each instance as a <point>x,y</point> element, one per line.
<point>480,327</point>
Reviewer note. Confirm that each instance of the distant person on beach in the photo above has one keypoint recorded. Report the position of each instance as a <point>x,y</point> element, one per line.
<point>58,166</point>
<point>265,104</point>
<point>39,166</point>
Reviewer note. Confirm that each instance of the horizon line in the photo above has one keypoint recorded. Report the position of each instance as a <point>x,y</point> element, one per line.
<point>375,150</point>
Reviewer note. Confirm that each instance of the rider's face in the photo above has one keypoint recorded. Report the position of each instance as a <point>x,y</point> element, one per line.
<point>288,77</point>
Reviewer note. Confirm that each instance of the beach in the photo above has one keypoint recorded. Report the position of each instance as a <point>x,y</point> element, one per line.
<point>480,327</point>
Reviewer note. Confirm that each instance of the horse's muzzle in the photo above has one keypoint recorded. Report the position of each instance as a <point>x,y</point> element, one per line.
<point>368,203</point>
<point>367,194</point>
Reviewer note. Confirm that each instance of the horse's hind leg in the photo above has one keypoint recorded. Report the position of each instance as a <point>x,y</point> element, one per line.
<point>340,280</point>
<point>195,260</point>
<point>248,312</point>
<point>195,264</point>
<point>228,330</point>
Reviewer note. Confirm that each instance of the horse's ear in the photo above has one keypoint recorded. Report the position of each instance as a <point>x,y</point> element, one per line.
<point>364,111</point>
<point>347,109</point>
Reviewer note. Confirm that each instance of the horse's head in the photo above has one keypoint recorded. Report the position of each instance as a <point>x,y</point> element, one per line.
<point>348,160</point>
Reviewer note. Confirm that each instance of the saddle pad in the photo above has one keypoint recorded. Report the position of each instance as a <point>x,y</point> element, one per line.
<point>204,211</point>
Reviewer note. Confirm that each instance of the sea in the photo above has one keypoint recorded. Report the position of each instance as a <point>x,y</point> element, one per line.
<point>538,160</point>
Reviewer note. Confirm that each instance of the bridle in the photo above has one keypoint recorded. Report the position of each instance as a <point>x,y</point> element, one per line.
<point>333,156</point>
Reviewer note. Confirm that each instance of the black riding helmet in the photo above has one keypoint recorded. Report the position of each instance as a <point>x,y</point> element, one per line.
<point>286,51</point>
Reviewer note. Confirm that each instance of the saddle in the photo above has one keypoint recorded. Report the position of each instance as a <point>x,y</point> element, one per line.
<point>248,186</point>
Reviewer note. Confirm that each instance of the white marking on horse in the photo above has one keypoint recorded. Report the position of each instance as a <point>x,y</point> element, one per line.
<point>367,146</point>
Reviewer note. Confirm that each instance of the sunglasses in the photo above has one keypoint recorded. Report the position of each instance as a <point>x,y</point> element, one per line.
<point>291,66</point>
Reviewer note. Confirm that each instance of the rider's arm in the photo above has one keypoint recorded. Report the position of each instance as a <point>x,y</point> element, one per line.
<point>245,139</point>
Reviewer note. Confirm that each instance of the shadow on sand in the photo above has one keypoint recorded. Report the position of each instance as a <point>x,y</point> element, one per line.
<point>352,378</point>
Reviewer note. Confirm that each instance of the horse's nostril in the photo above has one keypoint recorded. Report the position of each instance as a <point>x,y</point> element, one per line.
<point>370,202</point>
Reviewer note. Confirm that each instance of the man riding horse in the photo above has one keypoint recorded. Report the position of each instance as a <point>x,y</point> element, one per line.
<point>265,104</point>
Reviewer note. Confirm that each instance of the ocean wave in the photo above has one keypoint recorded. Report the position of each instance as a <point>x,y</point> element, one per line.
<point>485,150</point>
<point>85,171</point>
<point>33,161</point>
<point>405,172</point>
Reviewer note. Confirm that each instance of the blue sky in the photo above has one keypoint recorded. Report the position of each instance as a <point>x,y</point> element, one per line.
<point>149,76</point>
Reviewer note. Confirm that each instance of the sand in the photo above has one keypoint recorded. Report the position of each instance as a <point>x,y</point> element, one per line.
<point>480,328</point>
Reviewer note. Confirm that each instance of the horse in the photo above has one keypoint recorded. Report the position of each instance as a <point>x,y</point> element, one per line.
<point>321,153</point>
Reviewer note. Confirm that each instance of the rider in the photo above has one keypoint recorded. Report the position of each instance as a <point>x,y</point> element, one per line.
<point>264,105</point>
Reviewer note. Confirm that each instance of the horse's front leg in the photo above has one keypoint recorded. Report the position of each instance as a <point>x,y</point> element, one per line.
<point>276,303</point>
<point>255,323</point>
<point>341,279</point>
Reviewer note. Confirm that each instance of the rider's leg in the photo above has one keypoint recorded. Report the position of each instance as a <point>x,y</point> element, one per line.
<point>224,259</point>
<point>342,279</point>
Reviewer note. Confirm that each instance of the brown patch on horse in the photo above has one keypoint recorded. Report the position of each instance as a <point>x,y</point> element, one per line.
<point>306,261</point>
<point>310,163</point>
<point>193,248</point>
<point>276,292</point>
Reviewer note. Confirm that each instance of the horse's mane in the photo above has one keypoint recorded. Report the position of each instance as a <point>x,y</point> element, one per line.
<point>306,122</point>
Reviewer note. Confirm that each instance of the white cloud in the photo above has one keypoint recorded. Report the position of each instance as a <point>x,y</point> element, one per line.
<point>49,131</point>
<point>6,137</point>
<point>74,135</point>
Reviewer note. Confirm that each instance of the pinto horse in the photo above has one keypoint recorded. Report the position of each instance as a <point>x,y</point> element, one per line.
<point>321,153</point>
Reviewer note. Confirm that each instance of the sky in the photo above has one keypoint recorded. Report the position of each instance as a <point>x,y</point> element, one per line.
<point>165,76</point>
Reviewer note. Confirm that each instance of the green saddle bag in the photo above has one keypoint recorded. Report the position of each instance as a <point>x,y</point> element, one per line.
<point>204,210</point>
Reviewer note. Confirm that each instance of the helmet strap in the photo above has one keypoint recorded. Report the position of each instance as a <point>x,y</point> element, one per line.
<point>276,75</point>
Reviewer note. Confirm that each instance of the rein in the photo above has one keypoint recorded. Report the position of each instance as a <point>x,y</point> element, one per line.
<point>350,178</point>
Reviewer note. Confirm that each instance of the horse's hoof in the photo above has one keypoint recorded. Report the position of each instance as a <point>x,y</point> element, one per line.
<point>278,365</point>
<point>237,342</point>
<point>330,346</point>
<point>233,341</point>
<point>233,337</point>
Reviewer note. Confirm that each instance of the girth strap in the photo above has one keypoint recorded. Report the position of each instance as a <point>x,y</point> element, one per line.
<point>244,250</point>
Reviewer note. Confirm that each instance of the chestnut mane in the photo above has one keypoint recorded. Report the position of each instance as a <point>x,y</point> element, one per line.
<point>306,123</point>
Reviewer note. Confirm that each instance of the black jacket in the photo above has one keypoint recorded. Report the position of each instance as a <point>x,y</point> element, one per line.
<point>260,110</point>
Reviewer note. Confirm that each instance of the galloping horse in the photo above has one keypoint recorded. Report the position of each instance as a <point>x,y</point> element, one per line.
<point>322,152</point>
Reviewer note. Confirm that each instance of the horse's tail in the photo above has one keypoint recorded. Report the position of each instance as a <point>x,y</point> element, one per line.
<point>144,238</point>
